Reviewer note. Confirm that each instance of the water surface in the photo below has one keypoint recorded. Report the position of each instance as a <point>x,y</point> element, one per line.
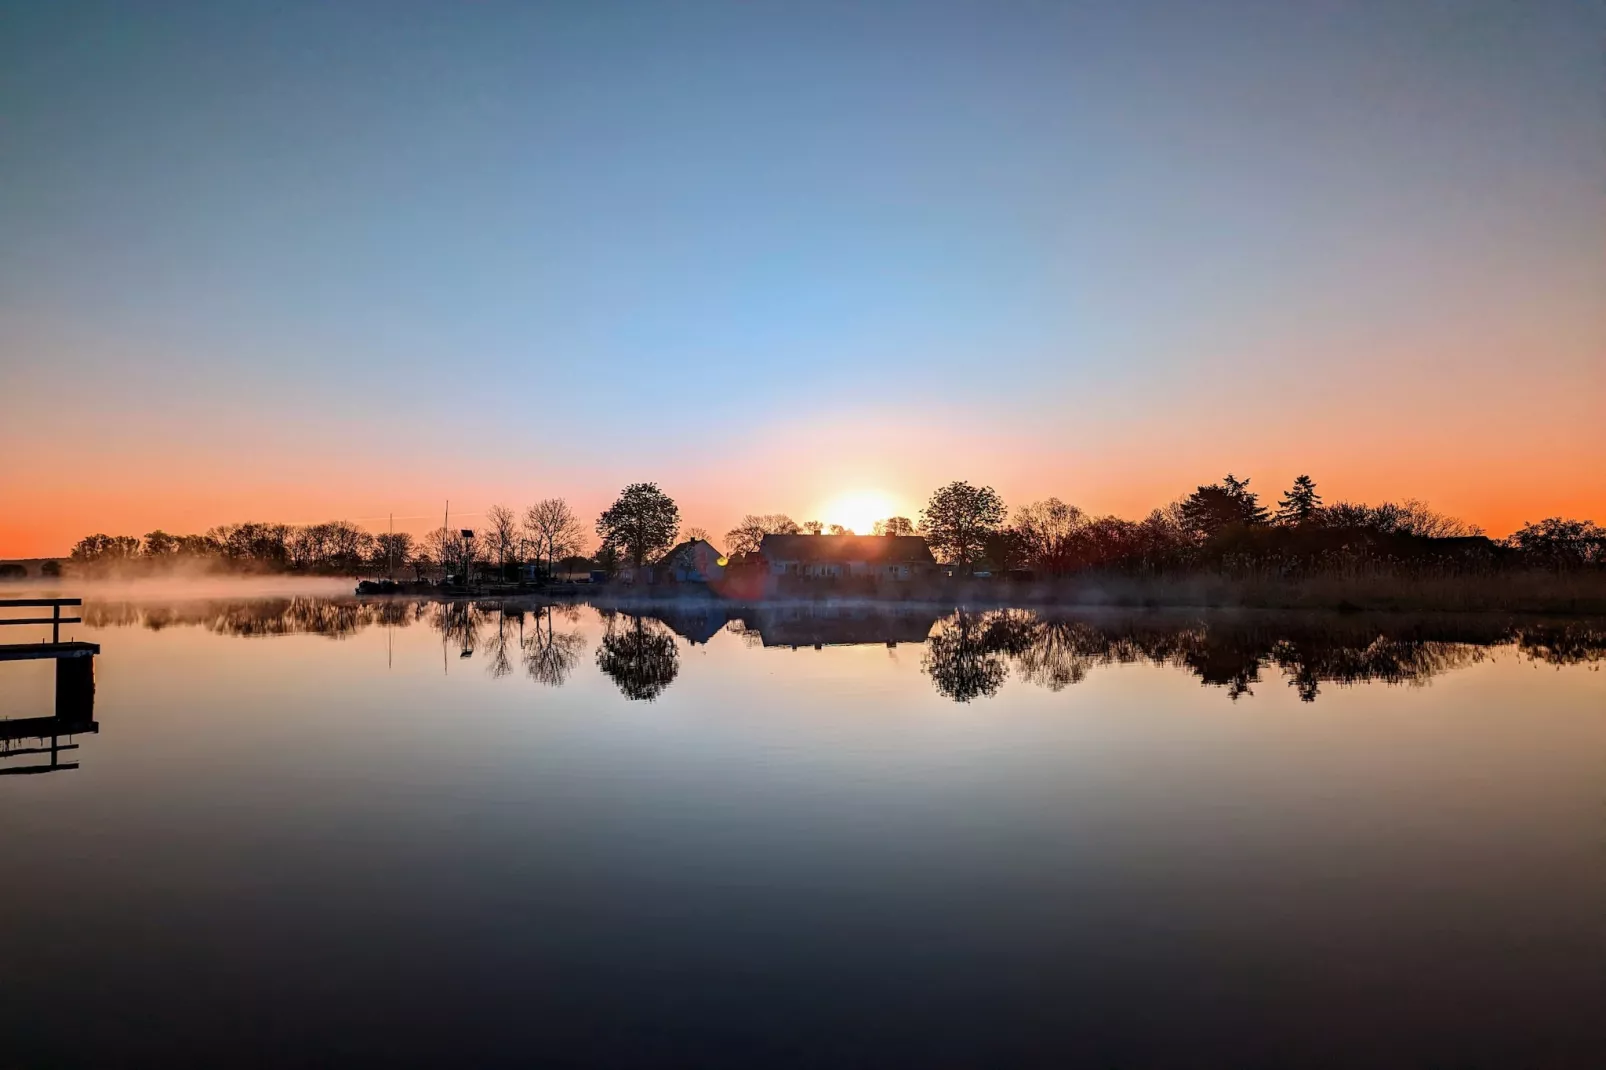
<point>415,832</point>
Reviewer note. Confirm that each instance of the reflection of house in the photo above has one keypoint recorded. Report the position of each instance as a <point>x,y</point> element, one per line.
<point>850,625</point>
<point>869,557</point>
<point>696,561</point>
<point>695,620</point>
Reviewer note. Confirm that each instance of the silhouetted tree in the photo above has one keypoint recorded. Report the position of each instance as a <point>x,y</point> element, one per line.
<point>1211,508</point>
<point>642,658</point>
<point>958,520</point>
<point>1415,517</point>
<point>392,550</point>
<point>553,529</point>
<point>1301,504</point>
<point>1046,530</point>
<point>1410,517</point>
<point>501,537</point>
<point>1561,544</point>
<point>1004,550</point>
<point>1346,516</point>
<point>838,529</point>
<point>159,543</point>
<point>106,549</point>
<point>607,558</point>
<point>50,570</point>
<point>641,524</point>
<point>455,554</point>
<point>692,534</point>
<point>745,537</point>
<point>813,527</point>
<point>198,546</point>
<point>253,543</point>
<point>894,525</point>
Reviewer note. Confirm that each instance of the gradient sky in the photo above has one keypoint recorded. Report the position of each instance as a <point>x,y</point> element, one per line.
<point>306,261</point>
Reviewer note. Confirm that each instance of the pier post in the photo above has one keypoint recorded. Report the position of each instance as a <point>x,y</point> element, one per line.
<point>75,688</point>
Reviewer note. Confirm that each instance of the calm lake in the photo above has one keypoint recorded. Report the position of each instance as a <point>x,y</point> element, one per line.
<point>317,830</point>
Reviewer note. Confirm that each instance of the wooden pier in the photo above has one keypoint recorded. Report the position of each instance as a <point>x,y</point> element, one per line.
<point>75,686</point>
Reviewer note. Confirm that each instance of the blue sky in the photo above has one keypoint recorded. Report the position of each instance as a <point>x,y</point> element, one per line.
<point>1268,236</point>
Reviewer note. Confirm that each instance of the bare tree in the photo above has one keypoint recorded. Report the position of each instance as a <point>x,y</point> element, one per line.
<point>392,549</point>
<point>452,551</point>
<point>554,530</point>
<point>894,525</point>
<point>692,534</point>
<point>502,537</point>
<point>1046,530</point>
<point>745,537</point>
<point>838,529</point>
<point>1418,518</point>
<point>813,527</point>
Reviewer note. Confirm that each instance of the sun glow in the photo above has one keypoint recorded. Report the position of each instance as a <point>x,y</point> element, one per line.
<point>858,511</point>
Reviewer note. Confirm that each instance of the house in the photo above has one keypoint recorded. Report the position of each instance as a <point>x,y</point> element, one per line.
<point>696,561</point>
<point>894,558</point>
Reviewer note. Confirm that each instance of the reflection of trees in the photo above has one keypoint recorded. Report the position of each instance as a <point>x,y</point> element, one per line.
<point>964,658</point>
<point>1572,643</point>
<point>1063,652</point>
<point>460,624</point>
<point>499,663</point>
<point>550,655</point>
<point>641,656</point>
<point>1309,664</point>
<point>969,654</point>
<point>335,618</point>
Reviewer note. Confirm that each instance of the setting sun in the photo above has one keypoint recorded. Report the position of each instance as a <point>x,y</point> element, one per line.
<point>858,511</point>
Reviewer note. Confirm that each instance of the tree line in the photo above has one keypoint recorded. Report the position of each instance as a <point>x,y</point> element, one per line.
<point>1221,526</point>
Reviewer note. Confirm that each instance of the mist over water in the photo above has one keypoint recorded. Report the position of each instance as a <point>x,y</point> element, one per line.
<point>800,833</point>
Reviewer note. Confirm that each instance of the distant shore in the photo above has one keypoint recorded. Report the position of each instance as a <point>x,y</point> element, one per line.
<point>1577,592</point>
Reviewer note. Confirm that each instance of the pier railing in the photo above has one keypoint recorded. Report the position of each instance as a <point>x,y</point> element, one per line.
<point>55,620</point>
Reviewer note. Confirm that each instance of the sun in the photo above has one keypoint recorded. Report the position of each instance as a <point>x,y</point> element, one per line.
<point>858,511</point>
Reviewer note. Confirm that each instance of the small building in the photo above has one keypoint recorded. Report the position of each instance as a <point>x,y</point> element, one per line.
<point>631,575</point>
<point>893,558</point>
<point>696,561</point>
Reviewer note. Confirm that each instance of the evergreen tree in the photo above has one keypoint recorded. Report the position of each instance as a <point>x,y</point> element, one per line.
<point>1301,504</point>
<point>1209,509</point>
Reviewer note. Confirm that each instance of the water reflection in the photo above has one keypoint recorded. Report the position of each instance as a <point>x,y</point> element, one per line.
<point>854,624</point>
<point>46,738</point>
<point>968,654</point>
<point>639,654</point>
<point>551,653</point>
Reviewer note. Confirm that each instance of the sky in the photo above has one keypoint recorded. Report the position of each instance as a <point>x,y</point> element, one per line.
<point>307,261</point>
